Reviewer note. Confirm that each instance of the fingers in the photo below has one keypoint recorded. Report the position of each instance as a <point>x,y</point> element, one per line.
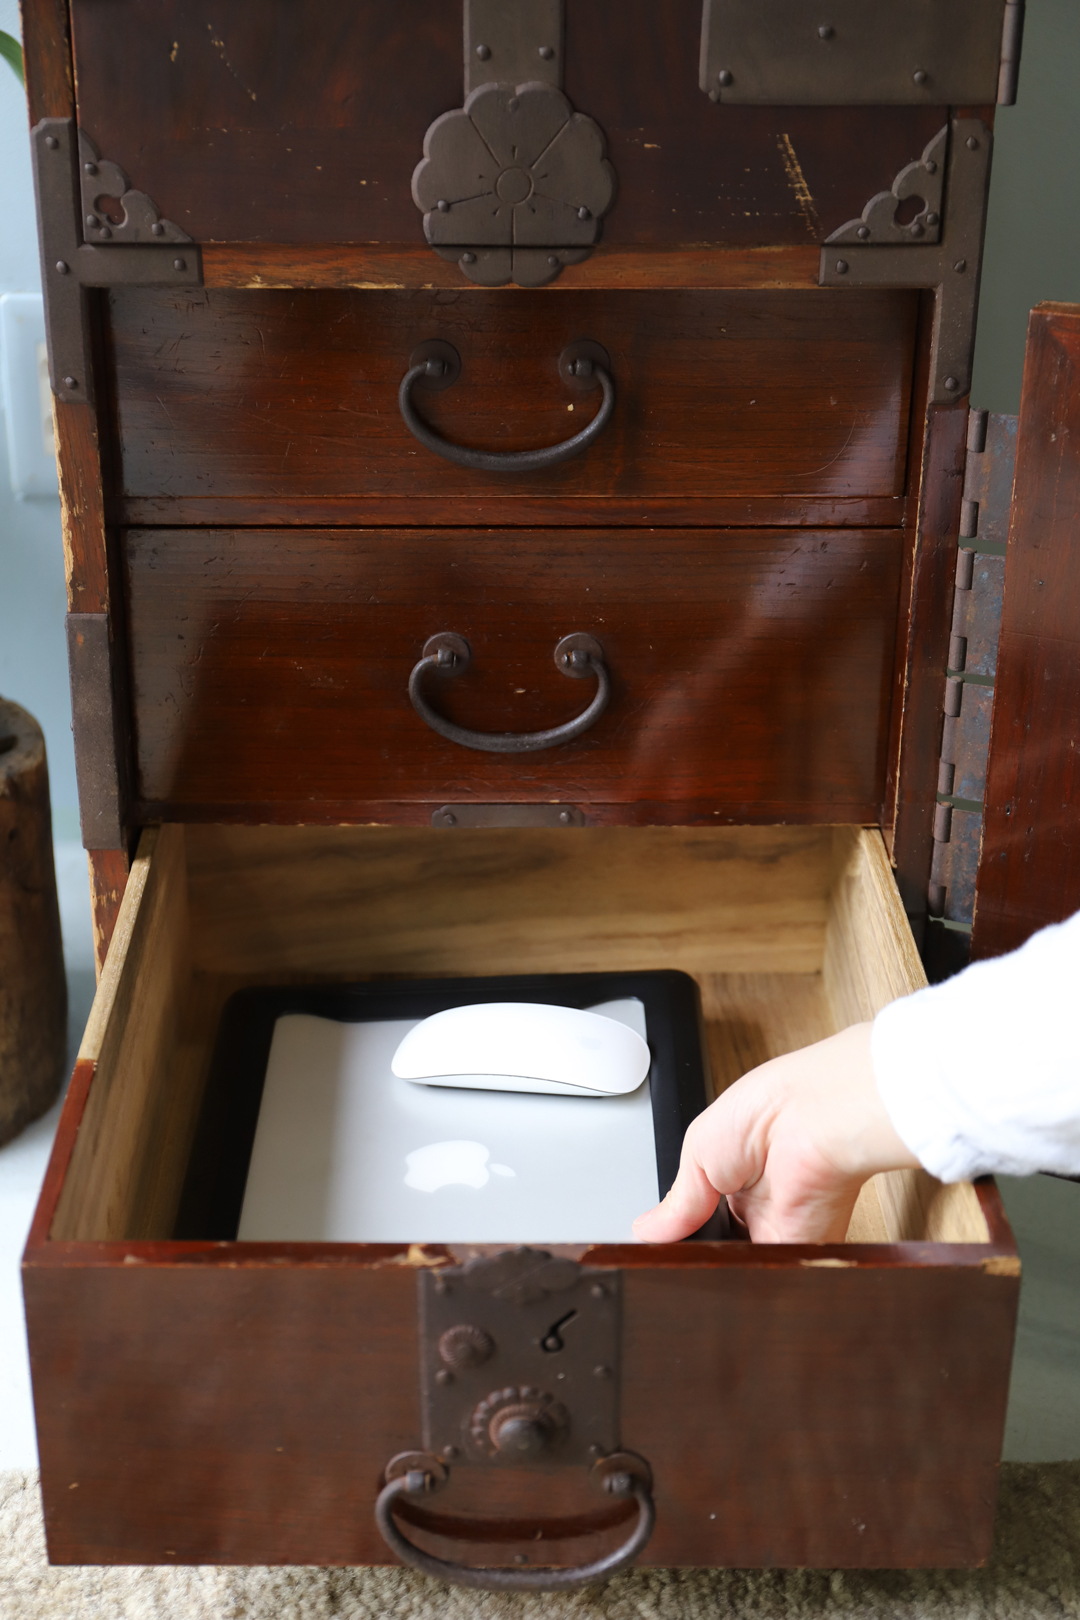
<point>688,1205</point>
<point>723,1151</point>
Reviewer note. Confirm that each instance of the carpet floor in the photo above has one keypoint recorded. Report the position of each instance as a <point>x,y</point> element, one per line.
<point>1035,1572</point>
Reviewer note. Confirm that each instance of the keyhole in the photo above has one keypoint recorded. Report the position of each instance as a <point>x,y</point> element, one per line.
<point>552,1340</point>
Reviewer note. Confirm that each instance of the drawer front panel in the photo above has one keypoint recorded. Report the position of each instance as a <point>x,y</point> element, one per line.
<point>293,122</point>
<point>749,669</point>
<point>293,395</point>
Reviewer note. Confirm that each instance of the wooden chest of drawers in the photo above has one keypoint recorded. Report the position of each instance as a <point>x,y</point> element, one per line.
<point>284,381</point>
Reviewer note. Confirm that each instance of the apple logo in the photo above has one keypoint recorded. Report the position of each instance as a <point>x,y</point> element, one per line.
<point>448,1164</point>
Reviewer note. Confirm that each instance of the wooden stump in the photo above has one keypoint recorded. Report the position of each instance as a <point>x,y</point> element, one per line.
<point>33,990</point>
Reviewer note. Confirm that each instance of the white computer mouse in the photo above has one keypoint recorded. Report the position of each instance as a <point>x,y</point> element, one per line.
<point>524,1046</point>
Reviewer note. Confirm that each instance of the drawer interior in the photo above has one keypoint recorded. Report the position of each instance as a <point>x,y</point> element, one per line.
<point>791,932</point>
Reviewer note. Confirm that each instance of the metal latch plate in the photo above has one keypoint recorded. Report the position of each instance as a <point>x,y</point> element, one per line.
<point>793,53</point>
<point>519,1360</point>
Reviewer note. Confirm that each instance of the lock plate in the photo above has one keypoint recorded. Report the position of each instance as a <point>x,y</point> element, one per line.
<point>519,1360</point>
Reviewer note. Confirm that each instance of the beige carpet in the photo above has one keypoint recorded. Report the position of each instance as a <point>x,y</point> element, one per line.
<point>1035,1573</point>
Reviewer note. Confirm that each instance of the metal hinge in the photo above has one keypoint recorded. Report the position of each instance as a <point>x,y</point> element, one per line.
<point>972,666</point>
<point>792,53</point>
<point>131,245</point>
<point>950,265</point>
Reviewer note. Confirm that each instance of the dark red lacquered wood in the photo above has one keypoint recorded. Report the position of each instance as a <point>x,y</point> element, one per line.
<point>1029,871</point>
<point>283,122</point>
<point>293,395</point>
<point>748,668</point>
<point>918,703</point>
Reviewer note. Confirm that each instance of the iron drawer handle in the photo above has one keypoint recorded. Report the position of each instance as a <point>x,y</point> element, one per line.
<point>449,654</point>
<point>438,364</point>
<point>416,1483</point>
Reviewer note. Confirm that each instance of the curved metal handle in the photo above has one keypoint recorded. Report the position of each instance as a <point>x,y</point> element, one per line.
<point>449,654</point>
<point>582,365</point>
<point>416,1483</point>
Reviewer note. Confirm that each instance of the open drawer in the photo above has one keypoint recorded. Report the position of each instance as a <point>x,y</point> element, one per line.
<point>205,1402</point>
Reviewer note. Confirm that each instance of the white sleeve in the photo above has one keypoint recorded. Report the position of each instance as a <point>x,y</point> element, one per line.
<point>982,1073</point>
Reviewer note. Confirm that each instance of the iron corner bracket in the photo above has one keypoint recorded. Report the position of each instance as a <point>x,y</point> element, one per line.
<point>138,254</point>
<point>951,267</point>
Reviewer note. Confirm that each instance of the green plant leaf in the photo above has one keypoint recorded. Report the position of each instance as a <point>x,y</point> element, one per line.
<point>11,51</point>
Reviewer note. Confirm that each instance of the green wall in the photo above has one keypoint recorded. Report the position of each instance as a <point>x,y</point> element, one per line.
<point>1033,231</point>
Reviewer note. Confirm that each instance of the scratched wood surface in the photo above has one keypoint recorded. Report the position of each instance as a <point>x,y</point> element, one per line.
<point>278,393</point>
<point>290,122</point>
<point>270,669</point>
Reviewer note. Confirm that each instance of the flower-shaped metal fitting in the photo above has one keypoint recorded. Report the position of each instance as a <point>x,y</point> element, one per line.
<point>514,184</point>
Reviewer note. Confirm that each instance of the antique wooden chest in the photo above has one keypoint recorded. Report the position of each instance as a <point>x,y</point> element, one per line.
<point>512,458</point>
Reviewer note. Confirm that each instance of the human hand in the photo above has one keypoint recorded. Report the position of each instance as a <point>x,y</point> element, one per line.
<point>791,1143</point>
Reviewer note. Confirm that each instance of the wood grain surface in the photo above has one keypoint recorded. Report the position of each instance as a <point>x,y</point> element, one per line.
<point>375,266</point>
<point>270,669</point>
<point>200,1402</point>
<point>919,694</point>
<point>288,123</point>
<point>294,394</point>
<point>1029,870</point>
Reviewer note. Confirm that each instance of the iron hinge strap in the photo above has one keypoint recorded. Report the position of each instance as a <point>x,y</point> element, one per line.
<point>972,665</point>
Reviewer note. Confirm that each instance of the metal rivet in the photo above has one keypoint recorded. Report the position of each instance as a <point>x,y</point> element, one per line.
<point>714,95</point>
<point>920,75</point>
<point>468,258</point>
<point>521,1558</point>
<point>951,384</point>
<point>916,227</point>
<point>449,1452</point>
<point>553,258</point>
<point>513,104</point>
<point>930,166</point>
<point>972,144</point>
<point>90,168</point>
<point>61,267</point>
<point>595,1450</point>
<point>826,31</point>
<point>960,266</point>
<point>103,230</point>
<point>443,206</point>
<point>565,818</point>
<point>157,229</point>
<point>179,264</point>
<point>598,1291</point>
<point>547,52</point>
<point>725,77</point>
<point>91,219</point>
<point>932,219</point>
<point>863,233</point>
<point>444,1376</point>
<point>483,52</point>
<point>51,142</point>
<point>450,819</point>
<point>583,213</point>
<point>601,1372</point>
<point>841,267</point>
<point>71,382</point>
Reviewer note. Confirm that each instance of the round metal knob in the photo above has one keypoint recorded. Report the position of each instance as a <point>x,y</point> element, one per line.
<point>521,1431</point>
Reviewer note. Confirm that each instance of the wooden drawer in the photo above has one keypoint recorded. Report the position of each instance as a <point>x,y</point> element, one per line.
<point>750,670</point>
<point>205,1402</point>
<point>283,406</point>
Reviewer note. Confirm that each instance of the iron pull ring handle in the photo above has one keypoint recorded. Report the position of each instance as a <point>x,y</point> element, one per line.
<point>416,1482</point>
<point>448,654</point>
<point>581,365</point>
